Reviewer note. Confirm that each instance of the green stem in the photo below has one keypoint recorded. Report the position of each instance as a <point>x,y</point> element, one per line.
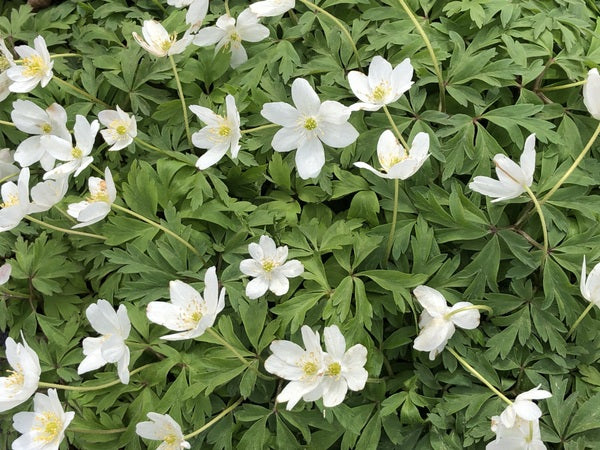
<point>538,208</point>
<point>80,91</point>
<point>90,431</point>
<point>227,8</point>
<point>480,377</point>
<point>182,98</point>
<point>90,388</point>
<point>213,421</point>
<point>66,55</point>
<point>2,180</point>
<point>468,308</point>
<point>395,128</point>
<point>160,6</point>
<point>64,213</point>
<point>573,166</point>
<point>4,122</point>
<point>159,226</point>
<point>563,86</point>
<point>579,319</point>
<point>436,65</point>
<point>390,242</point>
<point>262,127</point>
<point>98,171</point>
<point>65,230</point>
<point>340,25</point>
<point>10,293</point>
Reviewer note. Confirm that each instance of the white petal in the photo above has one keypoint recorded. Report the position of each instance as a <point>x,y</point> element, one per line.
<point>467,320</point>
<point>212,156</point>
<point>292,268</point>
<point>281,114</point>
<point>359,83</point>
<point>305,98</point>
<point>432,300</point>
<point>591,93</point>
<point>335,344</point>
<point>338,135</point>
<point>527,160</point>
<point>434,335</point>
<point>278,285</point>
<point>257,287</point>
<point>310,158</point>
<point>252,268</point>
<point>286,139</point>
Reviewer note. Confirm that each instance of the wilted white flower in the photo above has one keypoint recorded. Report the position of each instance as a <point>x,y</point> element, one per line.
<point>77,158</point>
<point>523,407</point>
<point>270,8</point>
<point>590,285</point>
<point>49,128</point>
<point>512,178</point>
<point>591,93</point>
<point>110,347</point>
<point>397,162</point>
<point>7,166</point>
<point>24,376</point>
<point>6,62</point>
<point>269,268</point>
<point>307,125</point>
<point>97,206</point>
<point>48,193</point>
<point>219,135</point>
<point>162,427</point>
<point>230,35</point>
<point>15,201</point>
<point>188,312</point>
<point>158,42</point>
<point>383,86</point>
<point>35,67</point>
<point>5,270</point>
<point>121,128</point>
<point>523,435</point>
<point>304,368</point>
<point>438,320</point>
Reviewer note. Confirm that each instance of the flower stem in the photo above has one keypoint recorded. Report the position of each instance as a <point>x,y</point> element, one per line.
<point>480,377</point>
<point>182,98</point>
<point>66,55</point>
<point>65,230</point>
<point>10,293</point>
<point>538,208</point>
<point>4,122</point>
<point>80,91</point>
<point>90,388</point>
<point>390,242</point>
<point>8,177</point>
<point>579,319</point>
<point>160,6</point>
<point>227,8</point>
<point>436,65</point>
<point>468,308</point>
<point>395,128</point>
<point>573,166</point>
<point>159,226</point>
<point>168,153</point>
<point>262,127</point>
<point>563,86</point>
<point>214,420</point>
<point>90,431</point>
<point>340,25</point>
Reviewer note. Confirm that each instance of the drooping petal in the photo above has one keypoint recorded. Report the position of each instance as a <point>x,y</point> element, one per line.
<point>468,319</point>
<point>528,159</point>
<point>432,300</point>
<point>591,93</point>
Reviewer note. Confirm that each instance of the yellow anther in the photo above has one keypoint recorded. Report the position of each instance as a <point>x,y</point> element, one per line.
<point>76,153</point>
<point>12,201</point>
<point>121,129</point>
<point>333,370</point>
<point>166,45</point>
<point>15,378</point>
<point>224,130</point>
<point>34,65</point>
<point>4,63</point>
<point>49,426</point>
<point>235,37</point>
<point>269,265</point>
<point>310,368</point>
<point>170,439</point>
<point>310,124</point>
<point>380,92</point>
<point>196,316</point>
<point>47,128</point>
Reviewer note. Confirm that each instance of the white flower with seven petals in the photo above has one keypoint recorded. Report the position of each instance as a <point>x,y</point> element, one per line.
<point>271,8</point>
<point>269,267</point>
<point>5,270</point>
<point>219,135</point>
<point>6,62</point>
<point>49,128</point>
<point>157,41</point>
<point>188,312</point>
<point>44,428</point>
<point>110,347</point>
<point>24,376</point>
<point>591,93</point>
<point>162,427</point>
<point>97,206</point>
<point>590,285</point>
<point>35,67</point>
<point>15,201</point>
<point>523,435</point>
<point>229,34</point>
<point>121,128</point>
<point>438,321</point>
<point>512,178</point>
<point>307,126</point>
<point>397,162</point>
<point>523,407</point>
<point>382,86</point>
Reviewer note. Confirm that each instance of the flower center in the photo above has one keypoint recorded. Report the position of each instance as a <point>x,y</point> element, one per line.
<point>235,37</point>
<point>46,128</point>
<point>34,66</point>
<point>269,265</point>
<point>166,45</point>
<point>310,368</point>
<point>12,201</point>
<point>49,427</point>
<point>310,123</point>
<point>101,195</point>
<point>16,378</point>
<point>334,369</point>
<point>121,129</point>
<point>170,439</point>
<point>76,153</point>
<point>391,159</point>
<point>4,63</point>
<point>224,130</point>
<point>381,91</point>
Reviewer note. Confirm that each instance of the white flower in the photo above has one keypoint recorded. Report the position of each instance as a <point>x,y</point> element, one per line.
<point>590,286</point>
<point>269,268</point>
<point>523,407</point>
<point>438,320</point>
<point>304,368</point>
<point>196,14</point>
<point>35,67</point>
<point>24,376</point>
<point>110,347</point>
<point>188,312</point>
<point>77,158</point>
<point>591,93</point>
<point>5,270</point>
<point>270,8</point>
<point>48,193</point>
<point>158,42</point>
<point>49,128</point>
<point>162,427</point>
<point>122,128</point>
<point>15,201</point>
<point>219,135</point>
<point>230,35</point>
<point>383,85</point>
<point>397,162</point>
<point>343,369</point>
<point>524,435</point>
<point>307,125</point>
<point>7,166</point>
<point>6,62</point>
<point>512,178</point>
<point>43,429</point>
<point>97,206</point>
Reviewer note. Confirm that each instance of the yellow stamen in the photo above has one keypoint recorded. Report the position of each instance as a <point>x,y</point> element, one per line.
<point>235,37</point>
<point>121,129</point>
<point>34,66</point>
<point>381,91</point>
<point>15,379</point>
<point>310,368</point>
<point>12,201</point>
<point>333,370</point>
<point>76,153</point>
<point>310,124</point>
<point>46,128</point>
<point>4,63</point>
<point>170,439</point>
<point>224,130</point>
<point>101,195</point>
<point>269,265</point>
<point>49,427</point>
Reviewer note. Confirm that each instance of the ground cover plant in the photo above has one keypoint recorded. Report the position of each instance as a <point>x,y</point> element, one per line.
<point>281,224</point>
